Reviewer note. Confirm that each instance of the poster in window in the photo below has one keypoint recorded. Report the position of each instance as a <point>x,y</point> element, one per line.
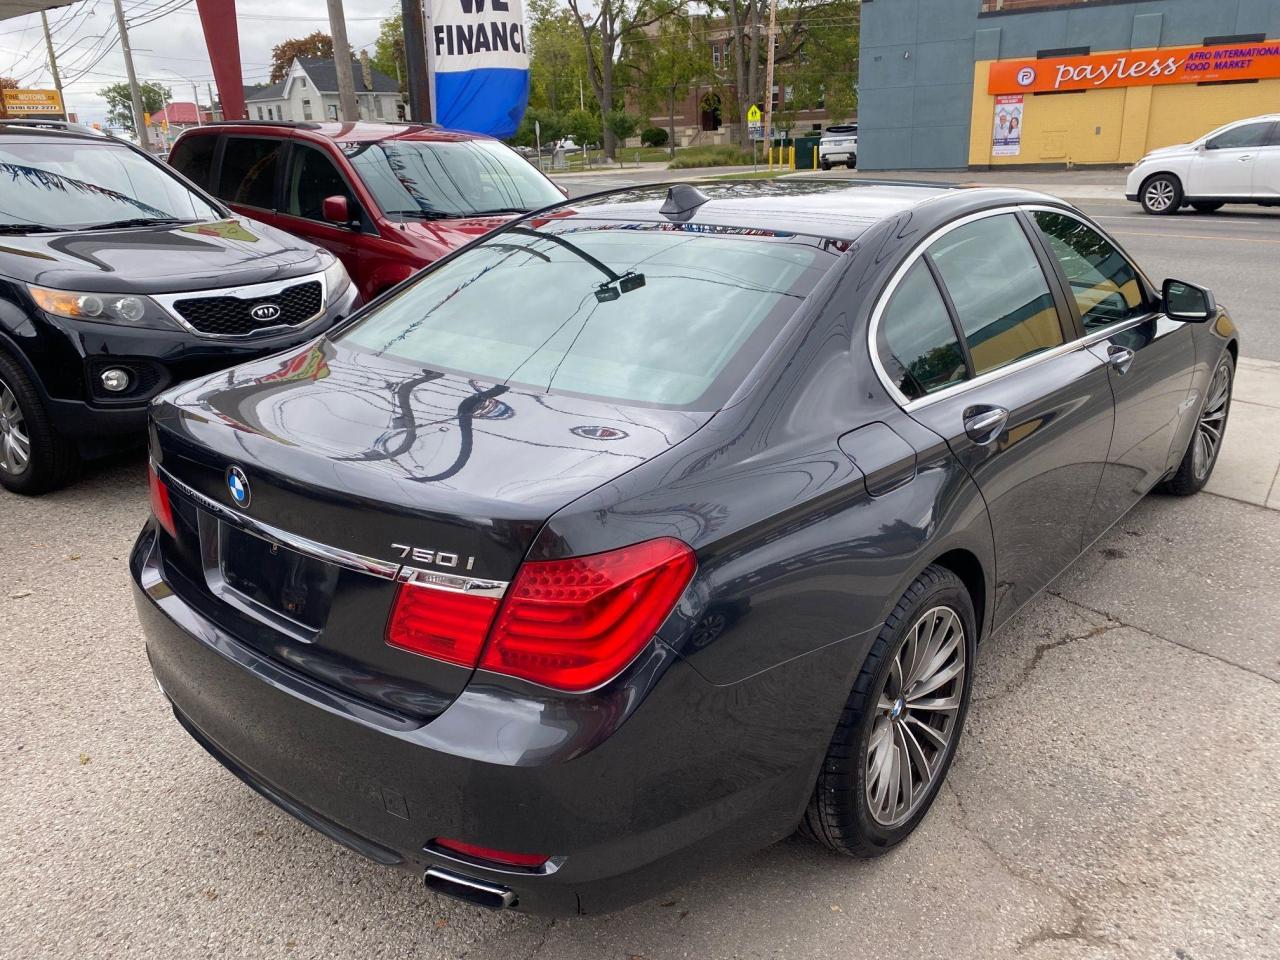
<point>1006,131</point>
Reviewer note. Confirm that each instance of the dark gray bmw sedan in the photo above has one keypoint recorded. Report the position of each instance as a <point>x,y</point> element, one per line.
<point>656,526</point>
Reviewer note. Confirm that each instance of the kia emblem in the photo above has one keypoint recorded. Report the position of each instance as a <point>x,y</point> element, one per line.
<point>264,312</point>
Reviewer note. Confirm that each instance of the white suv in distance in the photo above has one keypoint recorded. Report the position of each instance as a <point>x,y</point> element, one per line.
<point>1237,163</point>
<point>839,144</point>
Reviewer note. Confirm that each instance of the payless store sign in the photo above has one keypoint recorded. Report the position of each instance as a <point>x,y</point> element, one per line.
<point>1100,71</point>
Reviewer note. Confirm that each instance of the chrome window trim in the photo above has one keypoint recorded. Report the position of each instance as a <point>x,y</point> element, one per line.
<point>873,328</point>
<point>251,291</point>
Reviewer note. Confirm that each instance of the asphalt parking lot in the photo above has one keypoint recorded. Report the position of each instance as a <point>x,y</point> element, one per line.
<point>1114,795</point>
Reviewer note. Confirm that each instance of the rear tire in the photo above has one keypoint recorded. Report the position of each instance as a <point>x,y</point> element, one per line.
<point>34,457</point>
<point>825,165</point>
<point>1161,194</point>
<point>853,163</point>
<point>1202,206</point>
<point>908,702</point>
<point>1206,440</point>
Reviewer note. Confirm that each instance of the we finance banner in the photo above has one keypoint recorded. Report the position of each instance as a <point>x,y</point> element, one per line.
<point>479,64</point>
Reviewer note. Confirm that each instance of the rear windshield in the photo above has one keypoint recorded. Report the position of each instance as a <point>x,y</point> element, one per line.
<point>417,179</point>
<point>645,313</point>
<point>78,184</point>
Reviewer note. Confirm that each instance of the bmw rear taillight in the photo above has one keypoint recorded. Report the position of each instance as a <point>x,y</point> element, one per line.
<point>573,624</point>
<point>441,624</point>
<point>161,508</point>
<point>570,624</point>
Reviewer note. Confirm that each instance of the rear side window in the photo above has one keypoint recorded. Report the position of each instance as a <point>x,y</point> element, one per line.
<point>1104,284</point>
<point>312,178</point>
<point>635,312</point>
<point>193,158</point>
<point>1001,296</point>
<point>917,344</point>
<point>1248,135</point>
<point>248,176</point>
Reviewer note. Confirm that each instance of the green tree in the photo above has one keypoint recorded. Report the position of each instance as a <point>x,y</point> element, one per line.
<point>666,64</point>
<point>605,31</point>
<point>557,58</point>
<point>315,46</point>
<point>120,102</point>
<point>621,125</point>
<point>816,54</point>
<point>388,49</point>
<point>554,126</point>
<point>583,125</point>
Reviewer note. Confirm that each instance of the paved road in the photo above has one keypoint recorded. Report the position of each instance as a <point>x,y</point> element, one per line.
<point>1114,795</point>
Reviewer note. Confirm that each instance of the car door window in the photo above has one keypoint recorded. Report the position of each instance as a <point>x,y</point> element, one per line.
<point>1001,296</point>
<point>1246,135</point>
<point>193,158</point>
<point>248,176</point>
<point>916,341</point>
<point>1105,285</point>
<point>312,178</point>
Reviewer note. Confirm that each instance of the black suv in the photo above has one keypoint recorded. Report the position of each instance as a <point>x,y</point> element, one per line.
<point>119,278</point>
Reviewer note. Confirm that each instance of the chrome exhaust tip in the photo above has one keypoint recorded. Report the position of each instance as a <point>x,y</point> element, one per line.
<point>478,893</point>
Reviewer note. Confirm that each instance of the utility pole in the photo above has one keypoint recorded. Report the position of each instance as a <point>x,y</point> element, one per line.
<point>53,62</point>
<point>209,87</point>
<point>195,98</point>
<point>134,90</point>
<point>341,62</point>
<point>418,81</point>
<point>768,77</point>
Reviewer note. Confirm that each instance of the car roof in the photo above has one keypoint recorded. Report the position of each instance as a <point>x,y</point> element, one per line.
<point>364,131</point>
<point>29,131</point>
<point>838,209</point>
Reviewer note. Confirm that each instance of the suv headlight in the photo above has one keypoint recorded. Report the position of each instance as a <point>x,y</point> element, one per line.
<point>336,280</point>
<point>126,309</point>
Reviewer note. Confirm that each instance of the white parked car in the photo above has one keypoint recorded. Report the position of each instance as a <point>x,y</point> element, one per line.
<point>839,144</point>
<point>1237,163</point>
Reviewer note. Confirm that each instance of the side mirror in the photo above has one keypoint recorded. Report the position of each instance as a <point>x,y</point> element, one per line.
<point>336,210</point>
<point>1188,302</point>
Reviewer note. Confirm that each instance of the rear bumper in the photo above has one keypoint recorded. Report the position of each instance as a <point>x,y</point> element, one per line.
<point>695,774</point>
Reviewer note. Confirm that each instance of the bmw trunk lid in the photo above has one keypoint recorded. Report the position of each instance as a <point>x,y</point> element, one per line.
<point>305,484</point>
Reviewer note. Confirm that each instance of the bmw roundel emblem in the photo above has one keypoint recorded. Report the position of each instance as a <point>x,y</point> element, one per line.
<point>238,487</point>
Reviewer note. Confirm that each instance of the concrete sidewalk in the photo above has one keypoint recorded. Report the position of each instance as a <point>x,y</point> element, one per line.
<point>1248,467</point>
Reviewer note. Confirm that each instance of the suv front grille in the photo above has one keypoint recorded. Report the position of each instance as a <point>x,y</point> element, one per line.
<point>234,317</point>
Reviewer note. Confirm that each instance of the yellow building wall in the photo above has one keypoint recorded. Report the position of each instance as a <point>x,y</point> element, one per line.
<point>1116,125</point>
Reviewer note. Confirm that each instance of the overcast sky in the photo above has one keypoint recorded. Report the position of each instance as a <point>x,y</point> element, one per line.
<point>168,50</point>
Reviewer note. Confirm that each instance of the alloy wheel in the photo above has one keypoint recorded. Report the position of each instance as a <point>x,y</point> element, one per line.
<point>15,444</point>
<point>915,716</point>
<point>1159,195</point>
<point>1213,421</point>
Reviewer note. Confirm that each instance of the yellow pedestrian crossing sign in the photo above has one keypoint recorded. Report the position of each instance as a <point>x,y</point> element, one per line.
<point>753,114</point>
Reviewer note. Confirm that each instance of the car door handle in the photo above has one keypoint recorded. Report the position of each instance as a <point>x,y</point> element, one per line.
<point>983,424</point>
<point>1120,358</point>
<point>1245,158</point>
